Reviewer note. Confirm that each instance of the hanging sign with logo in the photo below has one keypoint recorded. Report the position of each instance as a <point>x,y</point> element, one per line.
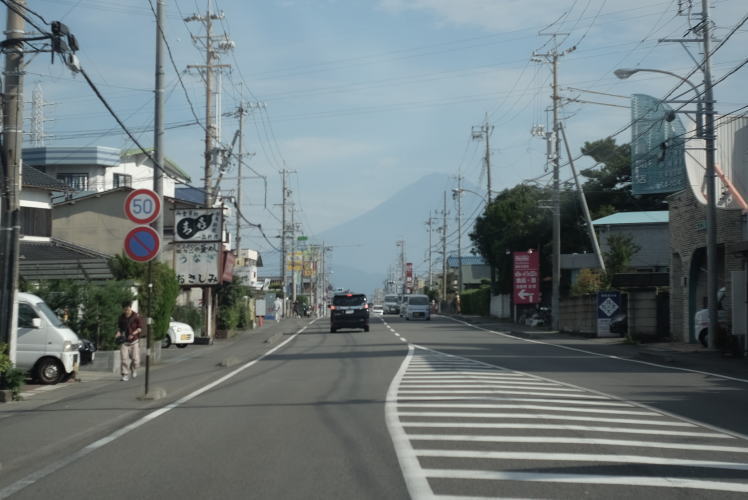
<point>198,224</point>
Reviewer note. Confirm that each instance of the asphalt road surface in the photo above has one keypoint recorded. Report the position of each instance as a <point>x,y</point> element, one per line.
<point>434,409</point>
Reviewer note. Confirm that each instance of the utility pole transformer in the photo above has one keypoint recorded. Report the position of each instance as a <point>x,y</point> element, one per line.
<point>10,187</point>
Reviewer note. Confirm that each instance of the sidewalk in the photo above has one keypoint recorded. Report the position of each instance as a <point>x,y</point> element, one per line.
<point>676,354</point>
<point>257,340</point>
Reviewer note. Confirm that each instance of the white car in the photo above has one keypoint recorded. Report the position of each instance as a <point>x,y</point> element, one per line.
<point>179,334</point>
<point>377,310</point>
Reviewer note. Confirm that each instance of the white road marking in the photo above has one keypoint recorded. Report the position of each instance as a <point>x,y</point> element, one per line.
<point>485,385</point>
<point>560,409</point>
<point>55,466</point>
<point>565,427</point>
<point>493,438</point>
<point>581,457</point>
<point>437,391</point>
<point>543,416</point>
<point>501,398</point>
<point>416,482</point>
<point>500,391</point>
<point>667,482</point>
<point>609,356</point>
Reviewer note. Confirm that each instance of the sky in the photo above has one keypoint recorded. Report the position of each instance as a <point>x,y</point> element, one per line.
<point>363,97</point>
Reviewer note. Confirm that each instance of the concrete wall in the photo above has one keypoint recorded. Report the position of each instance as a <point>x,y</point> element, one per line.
<point>97,223</point>
<point>501,306</point>
<point>579,314</point>
<point>642,313</point>
<point>653,240</point>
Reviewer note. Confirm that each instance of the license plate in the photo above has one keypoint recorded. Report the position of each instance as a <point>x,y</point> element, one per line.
<point>184,336</point>
<point>349,311</point>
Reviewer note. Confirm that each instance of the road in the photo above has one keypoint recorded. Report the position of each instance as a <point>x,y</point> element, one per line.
<point>435,409</point>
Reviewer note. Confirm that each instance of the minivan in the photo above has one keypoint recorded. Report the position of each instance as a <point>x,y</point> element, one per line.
<point>349,310</point>
<point>416,306</point>
<point>45,347</point>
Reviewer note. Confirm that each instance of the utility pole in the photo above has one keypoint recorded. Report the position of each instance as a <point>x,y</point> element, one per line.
<point>158,131</point>
<point>458,196</point>
<point>283,236</point>
<point>403,285</point>
<point>552,57</point>
<point>293,254</point>
<point>711,194</point>
<point>430,223</point>
<point>10,189</point>
<point>444,251</point>
<point>480,132</point>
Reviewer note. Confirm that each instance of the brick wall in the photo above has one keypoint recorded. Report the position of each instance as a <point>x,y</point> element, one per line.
<point>687,236</point>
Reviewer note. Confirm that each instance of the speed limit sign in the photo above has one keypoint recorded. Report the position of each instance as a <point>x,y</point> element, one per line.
<point>142,206</point>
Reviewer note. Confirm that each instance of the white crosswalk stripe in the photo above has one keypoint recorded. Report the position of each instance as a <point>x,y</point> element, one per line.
<point>462,425</point>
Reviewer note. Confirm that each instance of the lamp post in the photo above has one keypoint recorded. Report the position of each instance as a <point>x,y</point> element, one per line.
<point>704,106</point>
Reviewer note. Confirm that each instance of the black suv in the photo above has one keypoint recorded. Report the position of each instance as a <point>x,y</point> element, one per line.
<point>349,310</point>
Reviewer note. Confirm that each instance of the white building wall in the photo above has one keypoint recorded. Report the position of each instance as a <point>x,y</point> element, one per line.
<point>142,177</point>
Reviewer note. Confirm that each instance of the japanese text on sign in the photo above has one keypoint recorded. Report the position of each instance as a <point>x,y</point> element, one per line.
<point>198,263</point>
<point>198,224</point>
<point>526,277</point>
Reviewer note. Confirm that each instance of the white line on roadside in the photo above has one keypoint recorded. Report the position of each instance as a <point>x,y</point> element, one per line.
<point>485,385</point>
<point>55,466</point>
<point>563,427</point>
<point>528,400</point>
<point>666,482</point>
<point>609,356</point>
<point>582,457</point>
<point>543,416</point>
<point>573,440</point>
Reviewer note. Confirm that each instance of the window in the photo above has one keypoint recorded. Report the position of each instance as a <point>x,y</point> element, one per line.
<point>79,182</point>
<point>36,221</point>
<point>349,300</point>
<point>122,180</point>
<point>25,314</point>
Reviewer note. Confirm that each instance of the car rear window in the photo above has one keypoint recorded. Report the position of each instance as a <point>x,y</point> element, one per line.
<point>419,301</point>
<point>390,298</point>
<point>349,300</point>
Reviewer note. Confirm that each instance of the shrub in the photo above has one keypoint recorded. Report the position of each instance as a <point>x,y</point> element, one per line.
<point>191,315</point>
<point>476,301</point>
<point>10,377</point>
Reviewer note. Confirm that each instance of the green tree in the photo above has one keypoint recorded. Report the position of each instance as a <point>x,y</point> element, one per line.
<point>621,248</point>
<point>608,188</point>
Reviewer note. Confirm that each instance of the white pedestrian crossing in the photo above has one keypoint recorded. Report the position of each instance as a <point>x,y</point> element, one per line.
<point>463,425</point>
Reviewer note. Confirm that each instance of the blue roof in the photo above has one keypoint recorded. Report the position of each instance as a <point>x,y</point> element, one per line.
<point>654,217</point>
<point>71,155</point>
<point>467,260</point>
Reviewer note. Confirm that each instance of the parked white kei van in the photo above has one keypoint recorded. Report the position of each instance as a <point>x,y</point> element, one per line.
<point>416,307</point>
<point>45,346</point>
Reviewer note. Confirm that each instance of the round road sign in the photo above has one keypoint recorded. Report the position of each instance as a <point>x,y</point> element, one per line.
<point>142,206</point>
<point>142,244</point>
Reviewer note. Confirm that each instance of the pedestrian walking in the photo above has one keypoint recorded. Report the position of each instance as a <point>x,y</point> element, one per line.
<point>129,328</point>
<point>278,308</point>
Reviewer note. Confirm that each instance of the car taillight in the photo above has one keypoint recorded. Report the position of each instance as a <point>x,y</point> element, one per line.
<point>366,306</point>
<point>332,308</point>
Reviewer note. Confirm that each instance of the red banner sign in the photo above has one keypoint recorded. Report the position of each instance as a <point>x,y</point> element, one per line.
<point>409,272</point>
<point>526,277</point>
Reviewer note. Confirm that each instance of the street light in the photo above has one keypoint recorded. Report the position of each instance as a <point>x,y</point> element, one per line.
<point>711,198</point>
<point>624,73</point>
<point>456,191</point>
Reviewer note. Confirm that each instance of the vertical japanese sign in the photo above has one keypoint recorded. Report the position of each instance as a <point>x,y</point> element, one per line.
<point>409,273</point>
<point>198,235</point>
<point>526,277</point>
<point>198,264</point>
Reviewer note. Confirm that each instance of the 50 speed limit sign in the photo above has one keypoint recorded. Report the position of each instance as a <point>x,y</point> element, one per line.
<point>142,206</point>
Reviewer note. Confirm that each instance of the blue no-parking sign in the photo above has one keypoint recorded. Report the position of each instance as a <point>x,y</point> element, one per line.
<point>142,244</point>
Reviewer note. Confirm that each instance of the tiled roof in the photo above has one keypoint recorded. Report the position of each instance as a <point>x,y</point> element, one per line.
<point>33,177</point>
<point>653,217</point>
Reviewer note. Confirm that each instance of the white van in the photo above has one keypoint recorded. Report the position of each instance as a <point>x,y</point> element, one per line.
<point>417,307</point>
<point>45,346</point>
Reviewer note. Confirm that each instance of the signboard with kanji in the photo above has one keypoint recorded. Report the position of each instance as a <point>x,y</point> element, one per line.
<point>198,264</point>
<point>198,224</point>
<point>409,273</point>
<point>526,277</point>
